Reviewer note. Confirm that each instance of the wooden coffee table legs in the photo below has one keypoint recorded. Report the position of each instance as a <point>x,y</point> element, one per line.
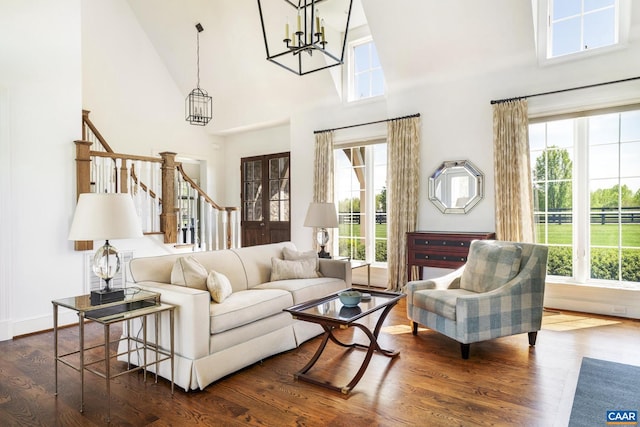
<point>373,346</point>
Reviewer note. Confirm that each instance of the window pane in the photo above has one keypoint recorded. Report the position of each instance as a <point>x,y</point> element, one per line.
<point>375,61</point>
<point>537,136</point>
<point>377,83</point>
<point>590,5</point>
<point>603,161</point>
<point>565,8</point>
<point>361,57</point>
<point>630,159</point>
<point>560,133</point>
<point>630,126</point>
<point>603,129</point>
<point>605,263</point>
<point>630,257</point>
<point>363,85</point>
<point>560,261</point>
<point>599,29</point>
<point>566,37</point>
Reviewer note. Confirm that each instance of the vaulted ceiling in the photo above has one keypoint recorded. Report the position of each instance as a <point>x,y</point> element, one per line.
<point>418,41</point>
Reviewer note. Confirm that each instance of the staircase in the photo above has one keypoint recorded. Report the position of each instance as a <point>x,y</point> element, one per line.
<point>168,201</point>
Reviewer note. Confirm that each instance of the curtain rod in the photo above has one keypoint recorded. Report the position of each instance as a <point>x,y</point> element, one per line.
<point>369,123</point>
<point>517,98</point>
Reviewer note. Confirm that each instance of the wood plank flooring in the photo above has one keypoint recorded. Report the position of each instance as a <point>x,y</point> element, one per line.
<point>504,382</point>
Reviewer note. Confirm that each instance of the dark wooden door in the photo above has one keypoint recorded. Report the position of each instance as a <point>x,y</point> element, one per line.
<point>265,199</point>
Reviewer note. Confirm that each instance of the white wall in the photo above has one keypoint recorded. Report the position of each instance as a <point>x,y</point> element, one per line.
<point>133,99</point>
<point>40,77</point>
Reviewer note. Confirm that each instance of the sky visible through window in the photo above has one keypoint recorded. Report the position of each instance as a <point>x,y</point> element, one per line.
<point>578,25</point>
<point>368,78</point>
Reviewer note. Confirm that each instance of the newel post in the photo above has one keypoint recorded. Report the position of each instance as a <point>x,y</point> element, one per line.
<point>168,219</point>
<point>83,183</point>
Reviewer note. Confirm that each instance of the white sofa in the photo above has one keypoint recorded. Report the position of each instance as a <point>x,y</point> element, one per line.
<point>213,340</point>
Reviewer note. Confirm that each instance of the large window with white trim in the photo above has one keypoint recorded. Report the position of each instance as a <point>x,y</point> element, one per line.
<point>586,179</point>
<point>361,194</point>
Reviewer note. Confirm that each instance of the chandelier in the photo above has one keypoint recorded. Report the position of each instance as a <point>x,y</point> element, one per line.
<point>315,33</point>
<point>197,106</point>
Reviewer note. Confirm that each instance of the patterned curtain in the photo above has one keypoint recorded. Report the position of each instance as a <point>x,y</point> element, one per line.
<point>514,193</point>
<point>323,175</point>
<point>403,146</point>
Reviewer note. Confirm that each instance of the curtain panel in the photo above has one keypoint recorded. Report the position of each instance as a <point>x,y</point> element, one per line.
<point>403,162</point>
<point>323,168</point>
<point>323,176</point>
<point>513,185</point>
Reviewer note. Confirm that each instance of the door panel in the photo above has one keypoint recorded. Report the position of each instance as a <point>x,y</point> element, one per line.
<point>265,199</point>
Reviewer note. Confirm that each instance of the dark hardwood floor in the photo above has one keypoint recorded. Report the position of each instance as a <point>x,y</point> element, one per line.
<point>504,382</point>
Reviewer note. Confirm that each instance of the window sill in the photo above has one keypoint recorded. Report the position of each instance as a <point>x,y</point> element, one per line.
<point>578,56</point>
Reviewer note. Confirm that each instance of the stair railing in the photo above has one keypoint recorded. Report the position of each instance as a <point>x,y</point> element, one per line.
<point>161,191</point>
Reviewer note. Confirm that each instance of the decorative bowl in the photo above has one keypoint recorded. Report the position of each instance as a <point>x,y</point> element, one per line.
<point>350,298</point>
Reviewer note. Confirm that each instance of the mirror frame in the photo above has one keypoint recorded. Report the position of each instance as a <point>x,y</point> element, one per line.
<point>442,170</point>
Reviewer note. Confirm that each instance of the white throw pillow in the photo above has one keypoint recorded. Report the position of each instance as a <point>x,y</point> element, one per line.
<point>292,255</point>
<point>187,271</point>
<point>301,269</point>
<point>219,286</point>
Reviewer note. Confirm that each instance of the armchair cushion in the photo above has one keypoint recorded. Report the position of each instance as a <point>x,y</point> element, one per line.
<point>490,265</point>
<point>440,301</point>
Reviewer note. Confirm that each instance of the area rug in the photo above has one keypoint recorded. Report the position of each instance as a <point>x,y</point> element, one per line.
<point>604,386</point>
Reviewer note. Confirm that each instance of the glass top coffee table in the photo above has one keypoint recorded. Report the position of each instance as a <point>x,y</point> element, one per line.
<point>331,314</point>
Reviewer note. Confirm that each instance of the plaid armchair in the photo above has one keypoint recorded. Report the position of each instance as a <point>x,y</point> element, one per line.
<point>498,292</point>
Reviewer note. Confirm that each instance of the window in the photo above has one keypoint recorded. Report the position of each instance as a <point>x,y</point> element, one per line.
<point>577,25</point>
<point>366,79</point>
<point>586,183</point>
<point>361,194</point>
<point>569,29</point>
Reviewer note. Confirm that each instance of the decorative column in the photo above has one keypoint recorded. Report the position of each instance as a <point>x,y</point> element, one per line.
<point>168,219</point>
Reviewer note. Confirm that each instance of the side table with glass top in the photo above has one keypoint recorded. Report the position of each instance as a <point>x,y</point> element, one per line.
<point>137,303</point>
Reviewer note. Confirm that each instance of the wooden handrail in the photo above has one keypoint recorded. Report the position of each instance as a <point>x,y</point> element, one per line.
<point>196,187</point>
<point>132,157</point>
<point>87,121</point>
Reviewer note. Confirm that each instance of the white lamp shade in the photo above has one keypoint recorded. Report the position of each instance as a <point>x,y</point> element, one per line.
<point>104,216</point>
<point>321,215</point>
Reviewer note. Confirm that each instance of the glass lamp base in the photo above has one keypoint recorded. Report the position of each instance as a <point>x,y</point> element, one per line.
<point>106,264</point>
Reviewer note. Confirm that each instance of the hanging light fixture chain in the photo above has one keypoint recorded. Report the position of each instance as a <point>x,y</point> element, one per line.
<point>198,56</point>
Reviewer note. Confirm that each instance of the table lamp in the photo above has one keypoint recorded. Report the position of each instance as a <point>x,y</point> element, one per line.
<point>104,216</point>
<point>322,216</point>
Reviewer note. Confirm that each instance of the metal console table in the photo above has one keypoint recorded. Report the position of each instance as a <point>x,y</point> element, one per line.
<point>138,304</point>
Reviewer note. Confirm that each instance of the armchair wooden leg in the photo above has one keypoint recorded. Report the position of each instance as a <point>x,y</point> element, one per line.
<point>464,349</point>
<point>532,338</point>
<point>415,328</point>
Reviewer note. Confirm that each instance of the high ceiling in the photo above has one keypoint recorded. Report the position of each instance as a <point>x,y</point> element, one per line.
<point>417,41</point>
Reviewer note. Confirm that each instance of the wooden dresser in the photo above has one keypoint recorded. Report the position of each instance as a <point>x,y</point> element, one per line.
<point>440,249</point>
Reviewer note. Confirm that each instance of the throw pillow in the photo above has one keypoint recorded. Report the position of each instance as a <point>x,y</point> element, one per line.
<point>187,271</point>
<point>219,286</point>
<point>292,255</point>
<point>284,269</point>
<point>490,265</point>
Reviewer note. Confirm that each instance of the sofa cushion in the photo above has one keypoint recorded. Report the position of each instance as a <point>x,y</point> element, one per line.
<point>244,307</point>
<point>439,301</point>
<point>304,290</point>
<point>293,255</point>
<point>256,261</point>
<point>301,269</point>
<point>219,286</point>
<point>187,271</point>
<point>490,265</point>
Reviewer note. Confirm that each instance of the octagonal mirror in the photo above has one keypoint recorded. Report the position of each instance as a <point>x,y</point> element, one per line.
<point>456,187</point>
